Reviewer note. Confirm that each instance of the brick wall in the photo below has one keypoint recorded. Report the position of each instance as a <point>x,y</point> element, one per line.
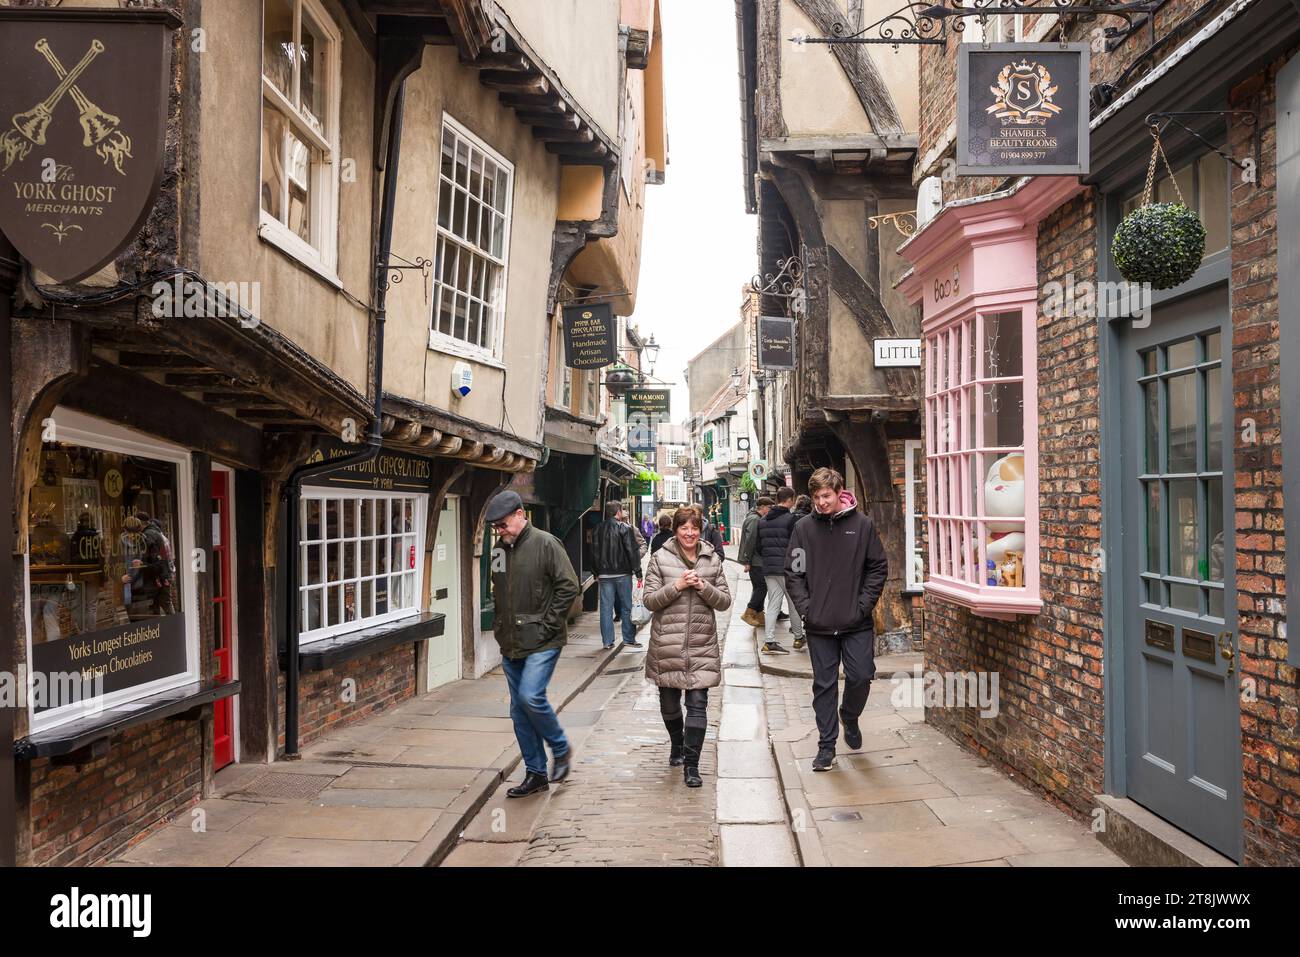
<point>1270,740</point>
<point>1049,726</point>
<point>381,681</point>
<point>81,815</point>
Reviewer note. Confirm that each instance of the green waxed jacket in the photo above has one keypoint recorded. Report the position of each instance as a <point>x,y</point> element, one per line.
<point>533,587</point>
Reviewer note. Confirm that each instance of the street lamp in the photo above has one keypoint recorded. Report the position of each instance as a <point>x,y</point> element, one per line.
<point>651,352</point>
<point>735,379</point>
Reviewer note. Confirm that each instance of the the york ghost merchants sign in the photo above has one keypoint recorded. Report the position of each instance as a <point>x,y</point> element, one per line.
<point>83,116</point>
<point>1022,109</point>
<point>590,336</point>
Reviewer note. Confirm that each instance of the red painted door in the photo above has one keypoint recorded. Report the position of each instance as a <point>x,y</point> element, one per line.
<point>223,744</point>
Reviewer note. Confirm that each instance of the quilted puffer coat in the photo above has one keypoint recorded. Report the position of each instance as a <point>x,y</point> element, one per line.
<point>683,649</point>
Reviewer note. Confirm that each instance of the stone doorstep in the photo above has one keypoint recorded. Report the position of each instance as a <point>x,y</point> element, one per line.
<point>1144,839</point>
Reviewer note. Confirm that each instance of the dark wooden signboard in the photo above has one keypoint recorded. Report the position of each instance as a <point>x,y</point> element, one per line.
<point>389,471</point>
<point>83,123</point>
<point>590,336</point>
<point>654,403</point>
<point>775,342</point>
<point>1022,109</point>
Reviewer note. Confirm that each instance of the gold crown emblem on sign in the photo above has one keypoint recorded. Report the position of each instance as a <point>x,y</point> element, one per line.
<point>1023,94</point>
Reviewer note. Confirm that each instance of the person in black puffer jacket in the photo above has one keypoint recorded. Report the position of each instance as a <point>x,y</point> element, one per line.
<point>774,530</point>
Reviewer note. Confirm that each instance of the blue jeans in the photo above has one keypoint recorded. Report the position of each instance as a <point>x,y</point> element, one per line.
<point>612,591</point>
<point>534,718</point>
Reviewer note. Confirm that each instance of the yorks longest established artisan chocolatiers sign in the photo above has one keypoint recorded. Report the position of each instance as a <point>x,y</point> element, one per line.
<point>83,116</point>
<point>1022,109</point>
<point>120,657</point>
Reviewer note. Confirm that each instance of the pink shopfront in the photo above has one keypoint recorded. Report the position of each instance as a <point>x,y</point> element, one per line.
<point>975,273</point>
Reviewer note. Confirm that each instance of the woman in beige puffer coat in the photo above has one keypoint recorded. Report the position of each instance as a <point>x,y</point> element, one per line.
<point>684,586</point>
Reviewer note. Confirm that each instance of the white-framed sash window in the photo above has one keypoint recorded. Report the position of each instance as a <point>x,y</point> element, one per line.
<point>913,479</point>
<point>361,559</point>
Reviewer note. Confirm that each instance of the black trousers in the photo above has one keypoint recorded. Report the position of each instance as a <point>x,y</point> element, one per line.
<point>857,652</point>
<point>759,598</point>
<point>697,706</point>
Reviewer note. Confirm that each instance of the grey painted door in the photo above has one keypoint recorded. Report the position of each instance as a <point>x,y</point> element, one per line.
<point>1182,709</point>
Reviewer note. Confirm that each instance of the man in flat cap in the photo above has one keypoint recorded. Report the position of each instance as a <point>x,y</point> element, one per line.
<point>533,586</point>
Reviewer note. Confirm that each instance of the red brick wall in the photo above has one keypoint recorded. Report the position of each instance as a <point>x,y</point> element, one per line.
<point>382,680</point>
<point>1270,740</point>
<point>83,815</point>
<point>1049,726</point>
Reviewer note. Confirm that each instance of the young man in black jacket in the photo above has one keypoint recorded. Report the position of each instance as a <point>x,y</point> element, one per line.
<point>774,530</point>
<point>617,558</point>
<point>835,571</point>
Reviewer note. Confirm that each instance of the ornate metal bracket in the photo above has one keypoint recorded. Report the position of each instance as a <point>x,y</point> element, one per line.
<point>905,25</point>
<point>1157,122</point>
<point>904,222</point>
<point>787,283</point>
<point>396,269</point>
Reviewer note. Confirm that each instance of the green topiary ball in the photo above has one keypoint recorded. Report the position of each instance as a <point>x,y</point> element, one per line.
<point>1161,244</point>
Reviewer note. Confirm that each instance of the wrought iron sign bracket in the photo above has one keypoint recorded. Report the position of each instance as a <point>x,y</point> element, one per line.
<point>425,266</point>
<point>1157,122</point>
<point>787,284</point>
<point>920,23</point>
<point>904,222</point>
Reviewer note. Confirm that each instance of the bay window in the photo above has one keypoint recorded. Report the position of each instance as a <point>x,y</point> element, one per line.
<point>300,107</point>
<point>361,559</point>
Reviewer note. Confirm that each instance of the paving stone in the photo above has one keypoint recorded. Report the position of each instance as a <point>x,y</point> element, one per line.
<point>745,759</point>
<point>738,694</point>
<point>386,797</point>
<point>749,801</point>
<point>1086,856</point>
<point>741,722</point>
<point>994,863</point>
<point>1044,834</point>
<point>478,854</point>
<point>342,823</point>
<point>218,814</point>
<point>984,808</point>
<point>835,822</point>
<point>874,795</point>
<point>756,845</point>
<point>181,847</point>
<point>296,852</point>
<point>430,779</point>
<point>349,752</point>
<point>927,847</point>
<point>743,677</point>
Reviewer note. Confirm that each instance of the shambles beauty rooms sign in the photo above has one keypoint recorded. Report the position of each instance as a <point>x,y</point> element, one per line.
<point>1022,109</point>
<point>590,336</point>
<point>83,117</point>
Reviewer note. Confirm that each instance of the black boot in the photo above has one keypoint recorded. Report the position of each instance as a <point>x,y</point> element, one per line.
<point>693,744</point>
<point>532,783</point>
<point>674,726</point>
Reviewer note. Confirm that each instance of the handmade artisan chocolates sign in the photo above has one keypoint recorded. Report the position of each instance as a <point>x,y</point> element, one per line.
<point>83,122</point>
<point>1022,109</point>
<point>590,336</point>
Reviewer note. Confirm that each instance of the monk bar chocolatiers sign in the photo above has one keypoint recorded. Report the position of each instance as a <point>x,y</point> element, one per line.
<point>386,472</point>
<point>590,336</point>
<point>1022,109</point>
<point>83,118</point>
<point>775,342</point>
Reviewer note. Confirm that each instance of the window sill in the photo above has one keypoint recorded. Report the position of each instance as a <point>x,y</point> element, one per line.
<point>85,734</point>
<point>1003,603</point>
<point>453,347</point>
<point>325,653</point>
<point>273,233</point>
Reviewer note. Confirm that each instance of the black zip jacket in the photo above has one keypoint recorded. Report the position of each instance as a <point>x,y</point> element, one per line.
<point>614,549</point>
<point>835,571</point>
<point>774,530</point>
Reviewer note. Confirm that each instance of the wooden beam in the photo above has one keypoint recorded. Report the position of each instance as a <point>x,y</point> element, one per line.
<point>856,62</point>
<point>565,136</point>
<point>555,121</point>
<point>199,380</point>
<point>154,361</point>
<point>526,83</point>
<point>239,400</point>
<point>510,62</point>
<point>529,101</point>
<point>591,151</point>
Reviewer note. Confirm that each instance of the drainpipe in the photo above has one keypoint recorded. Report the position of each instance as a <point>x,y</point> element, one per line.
<point>292,493</point>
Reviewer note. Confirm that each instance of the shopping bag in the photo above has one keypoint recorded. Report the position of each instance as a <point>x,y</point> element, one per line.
<point>640,614</point>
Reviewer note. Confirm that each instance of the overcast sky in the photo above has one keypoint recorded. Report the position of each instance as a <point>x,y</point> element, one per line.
<point>699,243</point>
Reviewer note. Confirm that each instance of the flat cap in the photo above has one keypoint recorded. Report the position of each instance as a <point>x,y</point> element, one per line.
<point>503,504</point>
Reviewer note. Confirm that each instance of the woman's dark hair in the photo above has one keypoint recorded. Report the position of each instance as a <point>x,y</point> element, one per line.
<point>665,522</point>
<point>684,515</point>
<point>803,503</point>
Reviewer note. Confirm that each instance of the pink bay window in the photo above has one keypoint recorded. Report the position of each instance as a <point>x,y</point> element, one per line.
<point>975,272</point>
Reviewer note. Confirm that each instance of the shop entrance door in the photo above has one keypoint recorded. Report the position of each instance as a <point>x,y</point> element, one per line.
<point>444,586</point>
<point>223,619</point>
<point>1181,673</point>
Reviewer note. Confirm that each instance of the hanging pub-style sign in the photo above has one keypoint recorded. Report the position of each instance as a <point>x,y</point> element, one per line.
<point>83,109</point>
<point>775,342</point>
<point>590,336</point>
<point>1022,109</point>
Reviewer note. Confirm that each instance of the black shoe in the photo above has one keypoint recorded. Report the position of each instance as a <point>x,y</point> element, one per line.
<point>691,775</point>
<point>783,617</point>
<point>775,648</point>
<point>852,733</point>
<point>633,644</point>
<point>825,760</point>
<point>692,745</point>
<point>531,785</point>
<point>674,727</point>
<point>561,769</point>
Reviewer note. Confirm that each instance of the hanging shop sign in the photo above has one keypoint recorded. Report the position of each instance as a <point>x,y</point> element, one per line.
<point>654,404</point>
<point>387,472</point>
<point>897,352</point>
<point>775,342</point>
<point>758,470</point>
<point>84,110</point>
<point>1022,109</point>
<point>590,336</point>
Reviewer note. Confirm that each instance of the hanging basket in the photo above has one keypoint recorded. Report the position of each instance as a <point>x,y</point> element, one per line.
<point>1159,243</point>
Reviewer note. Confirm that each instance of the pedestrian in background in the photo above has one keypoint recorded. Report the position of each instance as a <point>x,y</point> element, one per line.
<point>753,562</point>
<point>708,531</point>
<point>773,541</point>
<point>835,570</point>
<point>617,559</point>
<point>685,586</point>
<point>533,587</point>
<point>664,533</point>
